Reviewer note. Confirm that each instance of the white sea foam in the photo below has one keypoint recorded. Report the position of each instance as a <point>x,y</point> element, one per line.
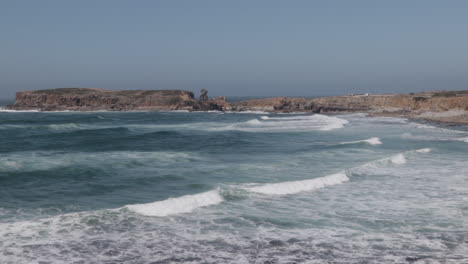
<point>371,141</point>
<point>424,150</point>
<point>171,111</point>
<point>397,159</point>
<point>18,111</point>
<point>425,126</point>
<point>401,157</point>
<point>288,123</point>
<point>254,122</point>
<point>183,204</point>
<point>389,165</point>
<point>247,112</point>
<point>439,129</point>
<point>69,126</point>
<point>465,139</point>
<point>46,160</point>
<point>296,117</point>
<point>390,120</point>
<point>291,187</point>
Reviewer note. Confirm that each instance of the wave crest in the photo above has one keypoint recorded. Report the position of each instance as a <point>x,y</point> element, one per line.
<point>291,187</point>
<point>397,159</point>
<point>69,126</point>
<point>183,204</point>
<point>290,123</point>
<point>382,165</point>
<point>371,141</point>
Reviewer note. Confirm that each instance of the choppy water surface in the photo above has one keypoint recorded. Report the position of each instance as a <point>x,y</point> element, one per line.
<point>230,188</point>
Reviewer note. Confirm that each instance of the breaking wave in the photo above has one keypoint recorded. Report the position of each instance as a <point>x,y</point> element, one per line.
<point>246,112</point>
<point>188,203</point>
<point>291,187</point>
<point>295,123</point>
<point>45,160</point>
<point>401,158</point>
<point>424,150</point>
<point>371,141</point>
<point>397,159</point>
<point>183,204</point>
<point>385,165</point>
<point>17,111</point>
<point>60,127</point>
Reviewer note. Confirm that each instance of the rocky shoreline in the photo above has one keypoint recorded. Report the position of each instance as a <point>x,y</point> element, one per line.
<point>440,106</point>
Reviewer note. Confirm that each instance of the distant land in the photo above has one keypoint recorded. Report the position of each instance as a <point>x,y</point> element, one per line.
<point>443,106</point>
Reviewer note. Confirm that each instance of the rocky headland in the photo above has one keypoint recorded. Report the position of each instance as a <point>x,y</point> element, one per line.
<point>441,106</point>
<point>444,106</point>
<point>90,99</point>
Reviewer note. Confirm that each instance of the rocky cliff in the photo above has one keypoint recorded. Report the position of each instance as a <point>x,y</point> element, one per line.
<point>449,106</point>
<point>87,99</point>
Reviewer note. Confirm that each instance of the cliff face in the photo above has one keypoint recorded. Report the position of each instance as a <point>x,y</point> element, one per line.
<point>437,106</point>
<point>423,102</point>
<point>84,99</point>
<point>449,106</point>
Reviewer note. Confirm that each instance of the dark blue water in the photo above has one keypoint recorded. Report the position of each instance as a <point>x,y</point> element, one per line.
<point>178,187</point>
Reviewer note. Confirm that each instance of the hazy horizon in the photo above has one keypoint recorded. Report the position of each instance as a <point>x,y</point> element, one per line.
<point>242,48</point>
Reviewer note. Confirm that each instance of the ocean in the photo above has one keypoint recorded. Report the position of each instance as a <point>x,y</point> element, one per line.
<point>213,187</point>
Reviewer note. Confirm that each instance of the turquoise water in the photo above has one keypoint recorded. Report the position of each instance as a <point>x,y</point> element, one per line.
<point>177,187</point>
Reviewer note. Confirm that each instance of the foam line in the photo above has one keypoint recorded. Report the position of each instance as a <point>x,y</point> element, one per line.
<point>183,204</point>
<point>291,187</point>
<point>289,123</point>
<point>371,141</point>
<point>424,150</point>
<point>397,159</point>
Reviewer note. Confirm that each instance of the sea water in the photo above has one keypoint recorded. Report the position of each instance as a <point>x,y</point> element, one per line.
<point>178,187</point>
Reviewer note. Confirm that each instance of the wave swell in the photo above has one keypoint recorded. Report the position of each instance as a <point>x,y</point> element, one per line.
<point>371,141</point>
<point>291,187</point>
<point>385,165</point>
<point>290,123</point>
<point>183,204</point>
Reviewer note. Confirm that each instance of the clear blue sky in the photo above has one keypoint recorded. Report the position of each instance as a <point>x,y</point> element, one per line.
<point>235,47</point>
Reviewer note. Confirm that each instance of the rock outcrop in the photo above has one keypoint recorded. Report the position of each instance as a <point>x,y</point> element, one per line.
<point>87,99</point>
<point>448,106</point>
<point>203,95</point>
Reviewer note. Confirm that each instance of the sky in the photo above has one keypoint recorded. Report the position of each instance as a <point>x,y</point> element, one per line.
<point>235,48</point>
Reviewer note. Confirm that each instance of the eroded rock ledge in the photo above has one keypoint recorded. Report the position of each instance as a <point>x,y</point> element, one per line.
<point>446,106</point>
<point>89,99</point>
<point>443,106</point>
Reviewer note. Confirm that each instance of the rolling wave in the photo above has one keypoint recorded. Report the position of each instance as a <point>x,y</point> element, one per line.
<point>315,122</point>
<point>397,159</point>
<point>401,158</point>
<point>183,204</point>
<point>371,141</point>
<point>291,187</point>
<point>17,111</point>
<point>61,127</point>
<point>36,161</point>
<point>382,165</point>
<point>424,150</point>
<point>188,203</point>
